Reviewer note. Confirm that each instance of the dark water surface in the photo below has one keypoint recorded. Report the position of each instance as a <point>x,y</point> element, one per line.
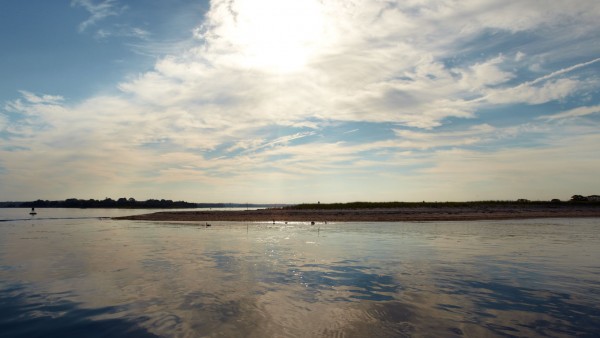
<point>104,278</point>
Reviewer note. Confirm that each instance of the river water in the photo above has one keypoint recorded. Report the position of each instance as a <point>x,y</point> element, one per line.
<point>69,275</point>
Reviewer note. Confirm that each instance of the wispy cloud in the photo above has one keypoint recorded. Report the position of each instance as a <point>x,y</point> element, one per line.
<point>98,11</point>
<point>562,71</point>
<point>123,31</point>
<point>41,99</point>
<point>572,113</point>
<point>550,89</point>
<point>426,140</point>
<point>257,144</point>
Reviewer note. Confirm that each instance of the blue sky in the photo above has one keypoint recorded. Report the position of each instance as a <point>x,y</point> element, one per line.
<point>289,101</point>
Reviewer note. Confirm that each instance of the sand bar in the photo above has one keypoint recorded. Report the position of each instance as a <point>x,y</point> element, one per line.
<point>409,214</point>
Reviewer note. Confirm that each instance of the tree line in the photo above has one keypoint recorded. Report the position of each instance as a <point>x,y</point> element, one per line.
<point>122,202</point>
<point>129,203</point>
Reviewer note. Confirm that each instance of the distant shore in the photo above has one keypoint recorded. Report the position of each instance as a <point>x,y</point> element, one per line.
<point>405,214</point>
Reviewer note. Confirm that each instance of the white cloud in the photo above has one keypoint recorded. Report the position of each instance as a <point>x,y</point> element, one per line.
<point>123,31</point>
<point>554,171</point>
<point>526,15</point>
<point>520,56</point>
<point>386,73</point>
<point>484,74</point>
<point>526,93</point>
<point>257,144</point>
<point>421,140</point>
<point>199,116</point>
<point>543,89</point>
<point>98,11</point>
<point>563,71</point>
<point>43,99</point>
<point>572,113</point>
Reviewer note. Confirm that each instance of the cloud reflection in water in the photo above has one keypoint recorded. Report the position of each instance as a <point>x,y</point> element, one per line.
<point>177,280</point>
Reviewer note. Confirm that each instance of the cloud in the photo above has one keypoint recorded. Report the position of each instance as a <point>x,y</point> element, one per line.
<point>519,56</point>
<point>524,15</point>
<point>3,122</point>
<point>348,77</point>
<point>543,89</point>
<point>235,109</point>
<point>421,140</point>
<point>43,99</point>
<point>539,173</point>
<point>485,74</point>
<point>257,144</point>
<point>526,93</point>
<point>563,71</point>
<point>123,31</point>
<point>98,11</point>
<point>573,113</point>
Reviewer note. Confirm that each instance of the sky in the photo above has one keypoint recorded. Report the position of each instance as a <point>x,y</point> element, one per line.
<point>299,101</point>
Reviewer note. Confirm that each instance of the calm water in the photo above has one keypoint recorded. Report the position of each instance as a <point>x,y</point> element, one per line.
<point>103,278</point>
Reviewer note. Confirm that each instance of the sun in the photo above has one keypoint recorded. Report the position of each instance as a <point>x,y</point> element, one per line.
<point>277,35</point>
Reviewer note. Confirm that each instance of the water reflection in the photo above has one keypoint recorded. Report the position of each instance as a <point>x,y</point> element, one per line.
<point>24,314</point>
<point>510,278</point>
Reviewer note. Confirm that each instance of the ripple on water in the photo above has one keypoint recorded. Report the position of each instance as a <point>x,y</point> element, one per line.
<point>104,278</point>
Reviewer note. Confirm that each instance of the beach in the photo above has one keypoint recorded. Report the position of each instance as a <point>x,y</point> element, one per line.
<point>405,214</point>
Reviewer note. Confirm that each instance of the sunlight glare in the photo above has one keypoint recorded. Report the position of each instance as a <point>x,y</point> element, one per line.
<point>277,35</point>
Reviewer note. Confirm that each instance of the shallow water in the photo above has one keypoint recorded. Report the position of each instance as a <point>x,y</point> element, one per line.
<point>104,278</point>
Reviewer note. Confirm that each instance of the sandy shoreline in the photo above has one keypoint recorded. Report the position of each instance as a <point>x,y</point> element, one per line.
<point>410,214</point>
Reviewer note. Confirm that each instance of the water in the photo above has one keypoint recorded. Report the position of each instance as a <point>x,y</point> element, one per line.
<point>43,214</point>
<point>104,278</point>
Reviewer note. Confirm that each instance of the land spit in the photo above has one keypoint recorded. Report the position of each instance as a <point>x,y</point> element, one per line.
<point>405,214</point>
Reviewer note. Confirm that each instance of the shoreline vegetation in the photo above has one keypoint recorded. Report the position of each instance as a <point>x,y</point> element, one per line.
<point>128,203</point>
<point>389,212</point>
<point>577,206</point>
